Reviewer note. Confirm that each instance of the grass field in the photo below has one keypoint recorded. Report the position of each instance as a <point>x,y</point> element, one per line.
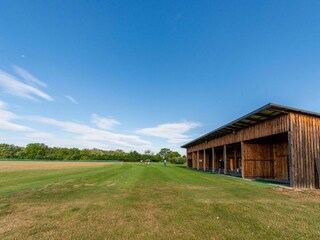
<point>137,201</point>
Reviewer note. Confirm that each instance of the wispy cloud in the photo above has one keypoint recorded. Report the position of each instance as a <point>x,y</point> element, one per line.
<point>66,134</point>
<point>103,122</point>
<point>88,136</point>
<point>174,133</point>
<point>28,76</point>
<point>175,21</point>
<point>71,99</point>
<point>11,85</point>
<point>7,120</point>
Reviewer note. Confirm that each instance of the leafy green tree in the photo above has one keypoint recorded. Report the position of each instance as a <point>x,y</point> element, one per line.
<point>148,152</point>
<point>9,151</point>
<point>164,153</point>
<point>36,151</point>
<point>178,160</point>
<point>41,151</point>
<point>134,156</point>
<point>172,155</point>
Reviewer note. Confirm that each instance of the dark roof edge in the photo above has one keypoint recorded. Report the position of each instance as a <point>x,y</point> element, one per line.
<point>283,108</point>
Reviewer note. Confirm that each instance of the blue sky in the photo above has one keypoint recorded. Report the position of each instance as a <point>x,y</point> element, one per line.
<point>150,74</point>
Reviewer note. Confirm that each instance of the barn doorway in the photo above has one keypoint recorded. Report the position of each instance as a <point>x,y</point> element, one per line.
<point>267,158</point>
<point>234,163</point>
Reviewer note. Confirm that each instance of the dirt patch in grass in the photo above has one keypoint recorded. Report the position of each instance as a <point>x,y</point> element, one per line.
<point>308,194</point>
<point>9,166</point>
<point>196,187</point>
<point>21,217</point>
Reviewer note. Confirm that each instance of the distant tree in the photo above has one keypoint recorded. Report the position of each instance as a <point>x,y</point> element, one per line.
<point>164,153</point>
<point>134,156</point>
<point>148,152</point>
<point>42,151</point>
<point>36,151</point>
<point>9,151</point>
<point>172,155</point>
<point>86,154</point>
<point>178,160</point>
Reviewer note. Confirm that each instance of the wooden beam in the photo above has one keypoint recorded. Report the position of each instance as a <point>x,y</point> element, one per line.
<point>291,159</point>
<point>204,160</point>
<point>242,160</point>
<point>192,157</point>
<point>187,157</point>
<point>213,159</point>
<point>225,159</point>
<point>235,159</point>
<point>198,160</point>
<point>240,124</point>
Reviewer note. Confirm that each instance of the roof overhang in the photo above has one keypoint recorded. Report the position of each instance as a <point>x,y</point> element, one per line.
<point>264,113</point>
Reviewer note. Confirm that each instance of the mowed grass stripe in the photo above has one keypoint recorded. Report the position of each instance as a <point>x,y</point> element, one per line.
<point>12,182</point>
<point>140,201</point>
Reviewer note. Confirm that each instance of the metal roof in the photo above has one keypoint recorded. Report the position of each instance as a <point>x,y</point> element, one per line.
<point>266,112</point>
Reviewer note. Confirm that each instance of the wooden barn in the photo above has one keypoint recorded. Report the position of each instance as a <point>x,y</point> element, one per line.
<point>274,143</point>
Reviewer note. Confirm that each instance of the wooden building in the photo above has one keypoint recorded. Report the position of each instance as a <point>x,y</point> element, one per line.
<point>274,142</point>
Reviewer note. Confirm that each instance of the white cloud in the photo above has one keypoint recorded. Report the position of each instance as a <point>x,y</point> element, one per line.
<point>7,118</point>
<point>67,134</point>
<point>13,86</point>
<point>71,99</point>
<point>103,123</point>
<point>28,76</point>
<point>174,133</point>
<point>59,133</point>
<point>86,136</point>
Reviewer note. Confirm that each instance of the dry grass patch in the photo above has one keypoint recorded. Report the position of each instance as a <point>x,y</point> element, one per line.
<point>302,194</point>
<point>9,166</point>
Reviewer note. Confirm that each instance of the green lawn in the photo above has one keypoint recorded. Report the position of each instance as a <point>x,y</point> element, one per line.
<point>137,201</point>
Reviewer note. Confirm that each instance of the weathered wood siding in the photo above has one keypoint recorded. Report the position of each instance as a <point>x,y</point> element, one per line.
<point>305,135</point>
<point>208,159</point>
<point>294,159</point>
<point>194,160</point>
<point>189,158</point>
<point>281,161</point>
<point>267,128</point>
<point>258,160</point>
<point>200,160</point>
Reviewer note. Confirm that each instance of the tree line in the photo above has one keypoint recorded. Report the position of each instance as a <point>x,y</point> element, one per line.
<point>41,151</point>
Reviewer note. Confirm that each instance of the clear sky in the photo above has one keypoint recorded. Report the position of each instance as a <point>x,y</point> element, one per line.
<point>150,74</point>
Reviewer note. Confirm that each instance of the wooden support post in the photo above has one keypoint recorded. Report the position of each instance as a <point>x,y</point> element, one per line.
<point>235,167</point>
<point>187,158</point>
<point>204,160</point>
<point>213,159</point>
<point>291,159</point>
<point>198,160</point>
<point>192,156</point>
<point>242,160</point>
<point>225,159</point>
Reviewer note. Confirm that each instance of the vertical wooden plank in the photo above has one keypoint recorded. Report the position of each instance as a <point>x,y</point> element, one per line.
<point>187,157</point>
<point>314,153</point>
<point>235,159</point>
<point>308,152</point>
<point>291,160</point>
<point>213,159</point>
<point>204,160</point>
<point>300,174</point>
<point>198,160</point>
<point>225,159</point>
<point>242,160</point>
<point>317,148</point>
<point>192,156</point>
